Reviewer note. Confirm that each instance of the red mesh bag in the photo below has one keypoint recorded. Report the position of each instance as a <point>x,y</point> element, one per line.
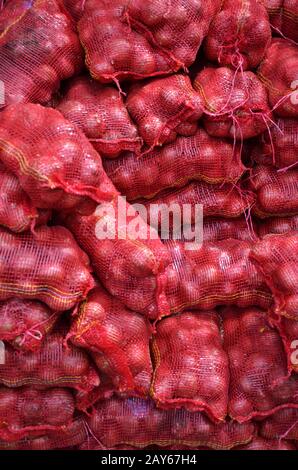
<point>164,108</point>
<point>196,377</point>
<point>55,365</point>
<point>47,265</point>
<point>118,339</point>
<point>288,330</point>
<point>11,10</point>
<point>216,229</point>
<point>279,147</point>
<point>276,192</point>
<point>139,423</point>
<point>284,17</point>
<point>115,51</point>
<point>26,412</point>
<point>239,34</point>
<point>75,8</point>
<point>259,443</point>
<point>236,103</point>
<point>199,157</point>
<point>276,257</point>
<point>101,114</point>
<point>274,9</point>
<point>25,323</point>
<point>218,273</point>
<point>277,225</point>
<point>55,163</point>
<point>73,434</point>
<point>177,27</point>
<point>282,425</point>
<point>127,255</point>
<point>280,77</point>
<point>259,384</point>
<point>38,50</point>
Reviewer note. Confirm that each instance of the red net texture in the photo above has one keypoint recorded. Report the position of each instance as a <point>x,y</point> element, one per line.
<point>118,339</point>
<point>164,108</point>
<point>25,412</point>
<point>101,114</point>
<point>259,383</point>
<point>282,425</point>
<point>54,365</point>
<point>127,255</point>
<point>75,8</point>
<point>218,273</point>
<point>11,10</point>
<point>139,423</point>
<point>199,157</point>
<point>177,27</point>
<point>38,49</point>
<point>276,192</point>
<point>259,443</point>
<point>276,257</point>
<point>196,377</point>
<point>25,323</point>
<point>114,50</point>
<point>47,266</point>
<point>55,163</point>
<point>283,16</point>
<point>239,34</point>
<point>280,77</point>
<point>216,229</point>
<point>277,225</point>
<point>236,103</point>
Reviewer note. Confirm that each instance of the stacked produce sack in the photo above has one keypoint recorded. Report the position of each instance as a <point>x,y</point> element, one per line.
<point>123,341</point>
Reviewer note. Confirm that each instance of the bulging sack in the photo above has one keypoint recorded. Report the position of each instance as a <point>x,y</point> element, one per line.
<point>47,265</point>
<point>277,225</point>
<point>216,229</point>
<point>100,112</point>
<point>38,49</point>
<point>283,423</point>
<point>196,377</point>
<point>53,160</point>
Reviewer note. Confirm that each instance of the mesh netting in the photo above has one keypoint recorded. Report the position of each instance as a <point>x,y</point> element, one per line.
<point>216,229</point>
<point>195,376</point>
<point>259,385</point>
<point>47,265</point>
<point>219,273</point>
<point>284,17</point>
<point>75,8</point>
<point>259,443</point>
<point>199,157</point>
<point>139,423</point>
<point>38,50</point>
<point>164,108</point>
<point>55,163</point>
<point>239,34</point>
<point>24,323</point>
<point>118,339</point>
<point>54,365</point>
<point>276,256</point>
<point>276,192</point>
<point>26,412</point>
<point>282,425</point>
<point>277,225</point>
<point>115,51</point>
<point>236,103</point>
<point>11,10</point>
<point>127,255</point>
<point>280,77</point>
<point>101,114</point>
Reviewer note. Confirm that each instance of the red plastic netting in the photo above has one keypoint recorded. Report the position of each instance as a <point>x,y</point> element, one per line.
<point>280,77</point>
<point>216,229</point>
<point>38,50</point>
<point>283,16</point>
<point>47,265</point>
<point>236,103</point>
<point>127,255</point>
<point>101,114</point>
<point>259,443</point>
<point>199,157</point>
<point>11,10</point>
<point>164,108</point>
<point>277,225</point>
<point>118,339</point>
<point>54,365</point>
<point>26,412</point>
<point>114,51</point>
<point>191,367</point>
<point>259,384</point>
<point>55,163</point>
<point>25,323</point>
<point>176,27</point>
<point>282,425</point>
<point>75,8</point>
<point>239,34</point>
<point>139,423</point>
<point>276,257</point>
<point>218,273</point>
<point>276,192</point>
